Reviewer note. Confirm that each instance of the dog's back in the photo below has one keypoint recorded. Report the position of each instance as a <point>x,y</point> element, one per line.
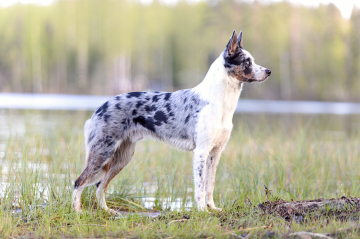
<point>170,117</point>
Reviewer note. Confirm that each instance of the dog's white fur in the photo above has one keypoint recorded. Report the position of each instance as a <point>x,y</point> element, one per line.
<point>215,125</point>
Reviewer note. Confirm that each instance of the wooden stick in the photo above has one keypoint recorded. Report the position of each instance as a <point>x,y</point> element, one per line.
<point>310,234</point>
<point>253,228</point>
<point>180,220</point>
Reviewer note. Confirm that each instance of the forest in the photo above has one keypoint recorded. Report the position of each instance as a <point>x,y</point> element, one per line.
<point>109,47</point>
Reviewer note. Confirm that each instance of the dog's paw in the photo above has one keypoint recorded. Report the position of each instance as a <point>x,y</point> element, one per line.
<point>78,209</point>
<point>216,209</point>
<point>112,211</point>
<point>203,210</point>
<point>211,206</point>
<point>202,207</point>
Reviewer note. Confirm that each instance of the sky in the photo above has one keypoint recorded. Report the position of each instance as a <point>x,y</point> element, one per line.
<point>345,6</point>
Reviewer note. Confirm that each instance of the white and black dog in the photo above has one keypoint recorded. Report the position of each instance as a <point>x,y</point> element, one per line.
<point>197,119</point>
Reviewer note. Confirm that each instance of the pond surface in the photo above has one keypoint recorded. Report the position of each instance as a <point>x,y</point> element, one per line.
<point>90,102</point>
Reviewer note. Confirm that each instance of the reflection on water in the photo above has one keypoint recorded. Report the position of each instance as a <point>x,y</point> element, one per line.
<point>167,203</point>
<point>146,214</point>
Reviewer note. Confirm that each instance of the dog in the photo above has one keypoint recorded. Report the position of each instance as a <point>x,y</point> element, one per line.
<point>197,120</point>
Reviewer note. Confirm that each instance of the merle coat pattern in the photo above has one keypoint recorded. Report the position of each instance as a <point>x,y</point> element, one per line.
<point>197,119</point>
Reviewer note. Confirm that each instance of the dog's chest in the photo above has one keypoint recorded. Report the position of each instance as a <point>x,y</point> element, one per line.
<point>222,124</point>
<point>222,136</point>
<point>226,106</point>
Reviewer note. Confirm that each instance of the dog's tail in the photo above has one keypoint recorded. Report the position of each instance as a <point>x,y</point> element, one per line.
<point>87,131</point>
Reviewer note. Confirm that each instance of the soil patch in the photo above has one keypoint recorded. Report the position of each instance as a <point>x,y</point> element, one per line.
<point>344,208</point>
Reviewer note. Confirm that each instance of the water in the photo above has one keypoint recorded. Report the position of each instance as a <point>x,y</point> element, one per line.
<point>298,107</point>
<point>87,102</point>
<point>168,203</point>
<point>51,101</point>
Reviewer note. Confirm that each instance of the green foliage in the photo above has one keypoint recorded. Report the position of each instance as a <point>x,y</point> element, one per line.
<point>109,47</point>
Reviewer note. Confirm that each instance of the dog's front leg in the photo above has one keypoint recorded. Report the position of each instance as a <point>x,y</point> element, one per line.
<point>200,156</point>
<point>211,165</point>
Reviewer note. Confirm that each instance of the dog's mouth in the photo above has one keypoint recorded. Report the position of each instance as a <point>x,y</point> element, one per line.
<point>254,80</point>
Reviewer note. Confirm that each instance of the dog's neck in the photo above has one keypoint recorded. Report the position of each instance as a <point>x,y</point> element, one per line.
<point>219,88</point>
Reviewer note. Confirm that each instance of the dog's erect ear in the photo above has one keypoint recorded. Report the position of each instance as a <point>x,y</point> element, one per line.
<point>232,46</point>
<point>239,39</point>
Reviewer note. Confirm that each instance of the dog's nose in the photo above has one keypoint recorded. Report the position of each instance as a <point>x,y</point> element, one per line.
<point>268,71</point>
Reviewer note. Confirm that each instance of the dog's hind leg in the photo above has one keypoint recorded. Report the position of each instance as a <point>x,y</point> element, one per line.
<point>118,161</point>
<point>93,172</point>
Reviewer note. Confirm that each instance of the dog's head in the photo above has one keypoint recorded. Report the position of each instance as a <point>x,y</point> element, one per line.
<point>240,64</point>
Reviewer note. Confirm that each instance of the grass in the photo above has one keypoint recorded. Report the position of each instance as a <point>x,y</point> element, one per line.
<point>296,157</point>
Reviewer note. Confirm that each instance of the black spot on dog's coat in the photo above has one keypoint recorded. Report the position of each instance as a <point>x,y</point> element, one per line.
<point>158,123</point>
<point>227,65</point>
<point>91,137</point>
<point>77,183</point>
<point>118,106</point>
<point>134,112</point>
<point>139,104</point>
<point>102,109</point>
<point>168,108</point>
<point>160,116</point>
<point>109,141</point>
<point>184,136</point>
<point>247,70</point>
<point>235,59</point>
<point>195,100</point>
<point>125,121</point>
<point>107,117</point>
<point>134,94</point>
<point>187,119</point>
<point>146,123</point>
<point>167,96</point>
<point>155,98</point>
<point>150,108</point>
